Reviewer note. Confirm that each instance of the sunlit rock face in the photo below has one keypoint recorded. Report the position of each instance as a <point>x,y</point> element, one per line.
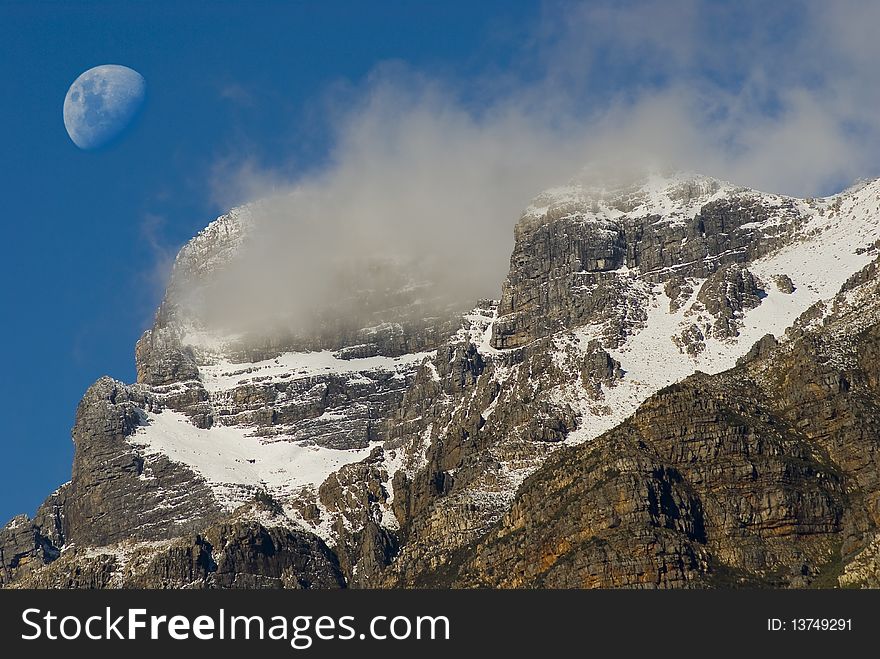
<point>674,389</point>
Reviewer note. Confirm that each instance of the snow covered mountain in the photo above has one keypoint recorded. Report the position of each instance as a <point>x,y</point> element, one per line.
<point>390,437</point>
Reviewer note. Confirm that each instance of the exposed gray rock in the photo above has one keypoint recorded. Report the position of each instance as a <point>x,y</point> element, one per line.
<point>115,492</point>
<point>161,360</point>
<point>229,554</point>
<point>482,470</point>
<point>784,283</point>
<point>678,290</point>
<point>27,544</point>
<point>565,268</point>
<point>726,295</point>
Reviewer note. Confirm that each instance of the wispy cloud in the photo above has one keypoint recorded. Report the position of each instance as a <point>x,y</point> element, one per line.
<point>237,94</point>
<point>779,98</point>
<point>161,253</point>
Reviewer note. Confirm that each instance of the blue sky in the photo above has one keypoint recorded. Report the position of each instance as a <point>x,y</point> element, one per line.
<point>247,97</point>
<point>84,230</point>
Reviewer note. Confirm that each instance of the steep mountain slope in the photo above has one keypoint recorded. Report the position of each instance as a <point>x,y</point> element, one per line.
<point>556,437</point>
<point>630,325</point>
<point>765,474</point>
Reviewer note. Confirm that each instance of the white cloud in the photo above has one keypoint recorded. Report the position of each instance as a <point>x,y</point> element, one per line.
<point>780,100</point>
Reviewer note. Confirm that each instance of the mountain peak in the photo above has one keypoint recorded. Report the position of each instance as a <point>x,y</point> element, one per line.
<point>672,195</point>
<point>370,435</point>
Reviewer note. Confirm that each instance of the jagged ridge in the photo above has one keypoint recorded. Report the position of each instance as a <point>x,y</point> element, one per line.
<point>612,295</point>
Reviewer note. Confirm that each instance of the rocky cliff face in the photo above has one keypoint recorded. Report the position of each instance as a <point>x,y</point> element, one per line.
<point>482,434</point>
<point>676,388</point>
<point>575,246</point>
<point>766,474</point>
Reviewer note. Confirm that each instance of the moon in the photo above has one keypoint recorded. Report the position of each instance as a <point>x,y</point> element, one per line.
<point>100,104</point>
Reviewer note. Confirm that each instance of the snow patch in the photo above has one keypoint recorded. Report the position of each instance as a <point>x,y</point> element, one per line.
<point>233,461</point>
<point>225,374</point>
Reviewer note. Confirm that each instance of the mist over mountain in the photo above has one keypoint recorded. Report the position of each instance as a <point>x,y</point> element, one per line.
<point>586,299</point>
<point>672,388</point>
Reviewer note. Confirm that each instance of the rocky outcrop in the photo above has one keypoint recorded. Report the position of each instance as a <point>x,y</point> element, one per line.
<point>784,283</point>
<point>338,411</point>
<point>161,359</point>
<point>382,311</point>
<point>668,394</point>
<point>727,295</point>
<point>568,255</point>
<point>356,496</point>
<point>125,490</point>
<point>863,571</point>
<point>695,489</point>
<point>470,429</point>
<point>229,554</point>
<point>768,474</point>
<point>115,493</point>
<point>484,416</point>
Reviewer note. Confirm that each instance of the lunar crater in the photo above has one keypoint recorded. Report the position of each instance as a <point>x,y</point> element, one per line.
<point>101,103</point>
